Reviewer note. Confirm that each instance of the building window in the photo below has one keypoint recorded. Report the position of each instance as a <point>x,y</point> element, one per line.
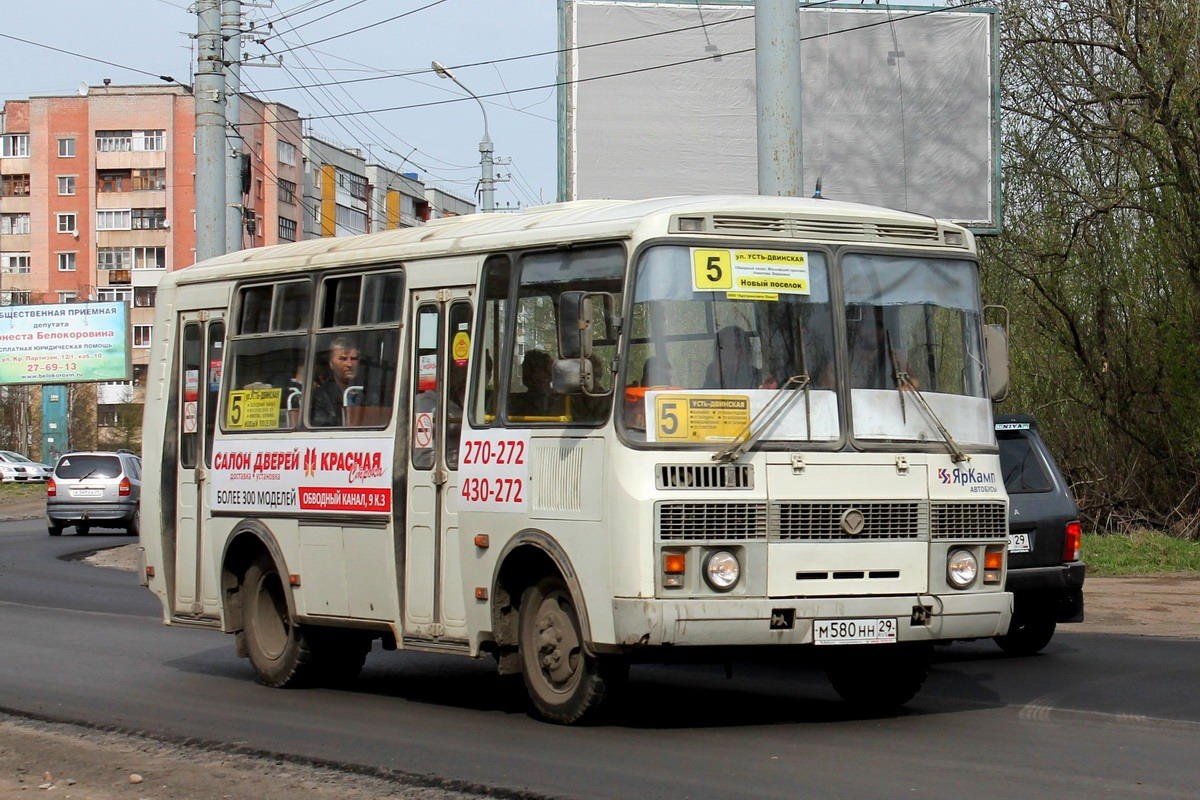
<point>354,185</point>
<point>66,147</point>
<point>66,262</point>
<point>116,220</point>
<point>109,294</point>
<point>14,145</point>
<point>67,223</point>
<point>287,191</point>
<point>14,224</point>
<point>144,296</point>
<point>113,258</point>
<point>15,297</point>
<point>149,180</point>
<point>287,153</point>
<point>66,297</point>
<point>14,263</point>
<point>108,415</point>
<point>258,188</point>
<point>287,229</point>
<point>350,221</point>
<point>149,219</point>
<point>149,258</point>
<point>141,335</point>
<point>128,140</point>
<point>66,185</point>
<point>14,186</point>
<point>112,180</point>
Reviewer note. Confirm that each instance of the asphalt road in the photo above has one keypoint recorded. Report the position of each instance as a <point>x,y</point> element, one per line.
<point>1094,715</point>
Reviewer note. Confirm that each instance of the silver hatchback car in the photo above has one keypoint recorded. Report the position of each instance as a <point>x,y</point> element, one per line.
<point>95,489</point>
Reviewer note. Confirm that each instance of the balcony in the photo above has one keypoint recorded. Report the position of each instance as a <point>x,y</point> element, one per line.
<point>119,277</point>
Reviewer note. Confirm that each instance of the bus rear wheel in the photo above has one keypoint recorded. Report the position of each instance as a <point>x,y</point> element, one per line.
<point>565,683</point>
<point>878,677</point>
<point>279,650</point>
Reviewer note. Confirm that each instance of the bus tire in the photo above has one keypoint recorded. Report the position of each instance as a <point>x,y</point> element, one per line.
<point>1027,634</point>
<point>278,648</point>
<point>564,682</point>
<point>340,655</point>
<point>878,677</point>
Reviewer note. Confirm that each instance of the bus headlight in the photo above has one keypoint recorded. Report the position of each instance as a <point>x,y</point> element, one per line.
<point>961,568</point>
<point>722,570</point>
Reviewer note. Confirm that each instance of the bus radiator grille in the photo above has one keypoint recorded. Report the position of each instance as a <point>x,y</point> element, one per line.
<point>822,522</point>
<point>957,521</point>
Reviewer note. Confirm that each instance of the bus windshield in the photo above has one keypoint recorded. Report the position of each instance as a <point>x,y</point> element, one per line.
<point>702,363</point>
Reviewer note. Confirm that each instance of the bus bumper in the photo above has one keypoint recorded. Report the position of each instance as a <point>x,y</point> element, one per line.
<point>727,621</point>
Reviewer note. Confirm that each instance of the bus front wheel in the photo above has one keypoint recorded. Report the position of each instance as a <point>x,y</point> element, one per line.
<point>278,649</point>
<point>564,682</point>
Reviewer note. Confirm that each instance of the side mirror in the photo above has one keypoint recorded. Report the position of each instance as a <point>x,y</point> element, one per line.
<point>995,350</point>
<point>574,325</point>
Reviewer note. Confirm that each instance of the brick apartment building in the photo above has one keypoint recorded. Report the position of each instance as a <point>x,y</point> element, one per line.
<point>97,202</point>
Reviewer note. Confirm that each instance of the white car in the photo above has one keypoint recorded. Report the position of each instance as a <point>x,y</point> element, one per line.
<point>15,467</point>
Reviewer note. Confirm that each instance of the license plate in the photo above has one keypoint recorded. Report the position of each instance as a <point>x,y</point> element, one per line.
<point>855,631</point>
<point>1019,543</point>
<point>86,492</point>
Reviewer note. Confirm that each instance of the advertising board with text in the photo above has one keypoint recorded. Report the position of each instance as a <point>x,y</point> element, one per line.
<point>65,343</point>
<point>344,476</point>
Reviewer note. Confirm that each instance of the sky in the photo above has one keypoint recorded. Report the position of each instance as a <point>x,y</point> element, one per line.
<point>439,142</point>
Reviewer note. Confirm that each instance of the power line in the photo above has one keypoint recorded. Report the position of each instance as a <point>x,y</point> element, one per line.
<point>639,70</point>
<point>166,78</point>
<point>364,27</point>
<point>323,16</point>
<point>303,8</point>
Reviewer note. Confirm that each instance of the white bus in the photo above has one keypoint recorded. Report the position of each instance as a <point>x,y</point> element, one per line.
<point>581,436</point>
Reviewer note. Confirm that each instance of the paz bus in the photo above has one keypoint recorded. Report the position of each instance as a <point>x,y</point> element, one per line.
<point>583,436</point>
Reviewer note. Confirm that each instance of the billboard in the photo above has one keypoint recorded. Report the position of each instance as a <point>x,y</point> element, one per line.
<point>900,104</point>
<point>65,343</point>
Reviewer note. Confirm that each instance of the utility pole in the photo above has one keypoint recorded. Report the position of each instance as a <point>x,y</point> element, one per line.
<point>231,32</point>
<point>777,73</point>
<point>210,132</point>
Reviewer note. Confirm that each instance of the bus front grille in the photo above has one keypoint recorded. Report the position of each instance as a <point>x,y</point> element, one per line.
<point>711,521</point>
<point>809,522</point>
<point>705,476</point>
<point>960,521</point>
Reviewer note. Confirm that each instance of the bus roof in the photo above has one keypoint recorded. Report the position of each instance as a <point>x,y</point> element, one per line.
<point>745,215</point>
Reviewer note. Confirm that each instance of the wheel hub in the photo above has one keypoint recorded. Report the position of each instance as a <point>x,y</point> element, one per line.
<point>558,643</point>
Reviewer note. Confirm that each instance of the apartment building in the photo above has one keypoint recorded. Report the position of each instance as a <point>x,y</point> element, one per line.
<point>346,194</point>
<point>97,199</point>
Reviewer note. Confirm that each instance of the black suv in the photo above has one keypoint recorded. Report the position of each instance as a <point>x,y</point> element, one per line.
<point>1045,573</point>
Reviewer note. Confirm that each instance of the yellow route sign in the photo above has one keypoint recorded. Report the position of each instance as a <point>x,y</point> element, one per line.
<point>700,417</point>
<point>253,408</point>
<point>743,273</point>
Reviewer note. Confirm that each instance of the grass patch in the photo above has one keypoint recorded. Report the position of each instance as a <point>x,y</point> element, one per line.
<point>1139,552</point>
<point>20,491</point>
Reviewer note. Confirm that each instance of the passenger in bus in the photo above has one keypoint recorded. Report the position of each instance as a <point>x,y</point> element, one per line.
<point>331,396</point>
<point>872,353</point>
<point>538,399</point>
<point>733,367</point>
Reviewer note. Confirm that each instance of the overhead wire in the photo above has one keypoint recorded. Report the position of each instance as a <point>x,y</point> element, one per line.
<point>364,27</point>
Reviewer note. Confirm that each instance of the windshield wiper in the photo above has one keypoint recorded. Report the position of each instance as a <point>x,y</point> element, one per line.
<point>753,431</point>
<point>905,383</point>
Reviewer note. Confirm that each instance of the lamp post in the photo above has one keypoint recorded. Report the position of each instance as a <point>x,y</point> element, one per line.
<point>487,182</point>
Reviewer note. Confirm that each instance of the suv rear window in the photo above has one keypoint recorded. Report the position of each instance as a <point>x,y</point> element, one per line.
<point>79,467</point>
<point>1023,469</point>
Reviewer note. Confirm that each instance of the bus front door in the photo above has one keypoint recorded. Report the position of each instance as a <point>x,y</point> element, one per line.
<point>434,607</point>
<point>201,337</point>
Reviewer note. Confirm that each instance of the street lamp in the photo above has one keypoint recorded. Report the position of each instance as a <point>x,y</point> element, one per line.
<point>487,182</point>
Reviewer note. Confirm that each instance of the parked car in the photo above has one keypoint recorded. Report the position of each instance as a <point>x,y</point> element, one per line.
<point>15,467</point>
<point>1045,568</point>
<point>95,489</point>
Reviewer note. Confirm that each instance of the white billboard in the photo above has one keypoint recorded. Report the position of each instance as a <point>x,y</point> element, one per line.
<point>900,104</point>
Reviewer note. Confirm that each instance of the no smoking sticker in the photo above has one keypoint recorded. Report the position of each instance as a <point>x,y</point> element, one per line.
<point>423,430</point>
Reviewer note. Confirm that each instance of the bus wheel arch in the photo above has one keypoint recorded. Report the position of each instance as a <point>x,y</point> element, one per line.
<point>528,558</point>
<point>252,540</point>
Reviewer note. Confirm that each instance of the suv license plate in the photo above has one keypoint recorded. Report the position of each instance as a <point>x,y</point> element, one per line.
<point>1019,543</point>
<point>86,492</point>
<point>855,631</point>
